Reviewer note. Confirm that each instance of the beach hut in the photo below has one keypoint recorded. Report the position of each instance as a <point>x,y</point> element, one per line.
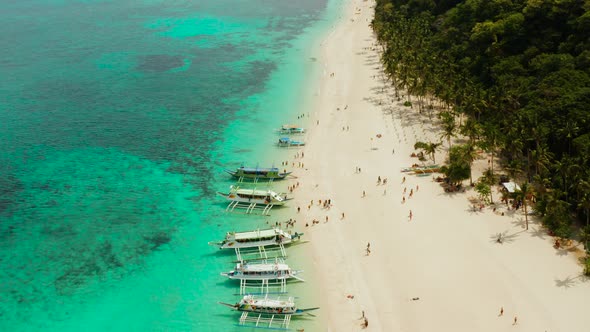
<point>510,187</point>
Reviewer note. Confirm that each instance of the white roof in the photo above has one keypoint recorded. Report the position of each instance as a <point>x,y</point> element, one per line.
<point>255,234</point>
<point>269,302</point>
<point>264,267</point>
<point>258,192</point>
<point>511,186</point>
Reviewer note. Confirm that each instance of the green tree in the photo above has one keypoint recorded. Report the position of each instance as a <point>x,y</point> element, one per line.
<point>557,216</point>
<point>484,191</point>
<point>429,148</point>
<point>524,195</point>
<point>448,127</point>
<point>458,167</point>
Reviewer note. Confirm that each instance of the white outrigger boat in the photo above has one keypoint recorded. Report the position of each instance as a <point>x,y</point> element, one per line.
<point>256,173</point>
<point>289,129</point>
<point>258,238</point>
<point>253,199</point>
<point>265,305</point>
<point>254,196</point>
<point>287,142</point>
<point>263,271</point>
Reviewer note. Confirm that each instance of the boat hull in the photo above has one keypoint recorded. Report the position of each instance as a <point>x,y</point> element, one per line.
<point>257,177</point>
<point>254,244</point>
<point>254,308</point>
<point>276,276</point>
<point>242,200</point>
<point>279,238</point>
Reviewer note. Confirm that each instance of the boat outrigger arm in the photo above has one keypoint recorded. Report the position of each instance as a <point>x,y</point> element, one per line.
<point>297,313</point>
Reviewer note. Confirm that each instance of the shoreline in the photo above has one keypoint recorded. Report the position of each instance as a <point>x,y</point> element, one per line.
<point>440,269</point>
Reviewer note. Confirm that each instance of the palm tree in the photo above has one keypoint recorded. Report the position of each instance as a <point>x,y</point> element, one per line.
<point>525,192</point>
<point>584,199</point>
<point>449,126</point>
<point>470,155</point>
<point>489,179</point>
<point>569,131</point>
<point>458,168</point>
<point>471,129</point>
<point>428,148</point>
<point>542,158</point>
<point>491,142</point>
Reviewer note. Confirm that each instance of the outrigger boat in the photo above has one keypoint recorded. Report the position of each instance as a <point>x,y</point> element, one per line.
<point>263,271</point>
<point>287,142</point>
<point>264,305</point>
<point>288,129</point>
<point>255,174</point>
<point>258,238</point>
<point>254,196</point>
<point>422,169</point>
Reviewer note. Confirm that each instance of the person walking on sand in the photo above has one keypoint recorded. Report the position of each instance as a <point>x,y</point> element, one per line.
<point>501,311</point>
<point>515,320</point>
<point>404,180</point>
<point>368,249</point>
<point>411,215</point>
<point>364,193</point>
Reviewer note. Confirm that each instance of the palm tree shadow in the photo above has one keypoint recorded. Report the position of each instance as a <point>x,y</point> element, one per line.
<point>561,252</point>
<point>504,237</point>
<point>539,232</point>
<point>473,210</point>
<point>571,281</point>
<point>518,221</point>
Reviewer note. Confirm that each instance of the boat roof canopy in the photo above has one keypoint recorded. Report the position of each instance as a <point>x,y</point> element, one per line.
<point>253,234</point>
<point>264,267</point>
<point>258,169</point>
<point>254,192</point>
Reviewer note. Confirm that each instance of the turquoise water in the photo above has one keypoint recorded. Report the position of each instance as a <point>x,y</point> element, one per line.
<point>116,121</point>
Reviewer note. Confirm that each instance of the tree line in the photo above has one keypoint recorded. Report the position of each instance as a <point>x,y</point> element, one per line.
<point>517,75</point>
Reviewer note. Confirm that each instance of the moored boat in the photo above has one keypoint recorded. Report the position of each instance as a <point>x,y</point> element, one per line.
<point>257,196</point>
<point>264,270</point>
<point>289,129</point>
<point>251,173</point>
<point>422,169</point>
<point>257,238</point>
<point>287,142</point>
<point>265,305</point>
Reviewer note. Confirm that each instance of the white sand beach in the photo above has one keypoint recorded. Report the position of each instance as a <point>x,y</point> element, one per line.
<point>443,270</point>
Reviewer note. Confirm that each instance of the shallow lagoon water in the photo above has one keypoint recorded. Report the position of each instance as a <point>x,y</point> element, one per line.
<point>116,121</point>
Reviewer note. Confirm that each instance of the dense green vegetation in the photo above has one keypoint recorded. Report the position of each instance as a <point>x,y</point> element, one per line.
<point>517,74</point>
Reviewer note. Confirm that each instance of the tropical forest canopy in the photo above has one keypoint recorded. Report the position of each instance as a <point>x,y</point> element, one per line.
<point>517,74</point>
